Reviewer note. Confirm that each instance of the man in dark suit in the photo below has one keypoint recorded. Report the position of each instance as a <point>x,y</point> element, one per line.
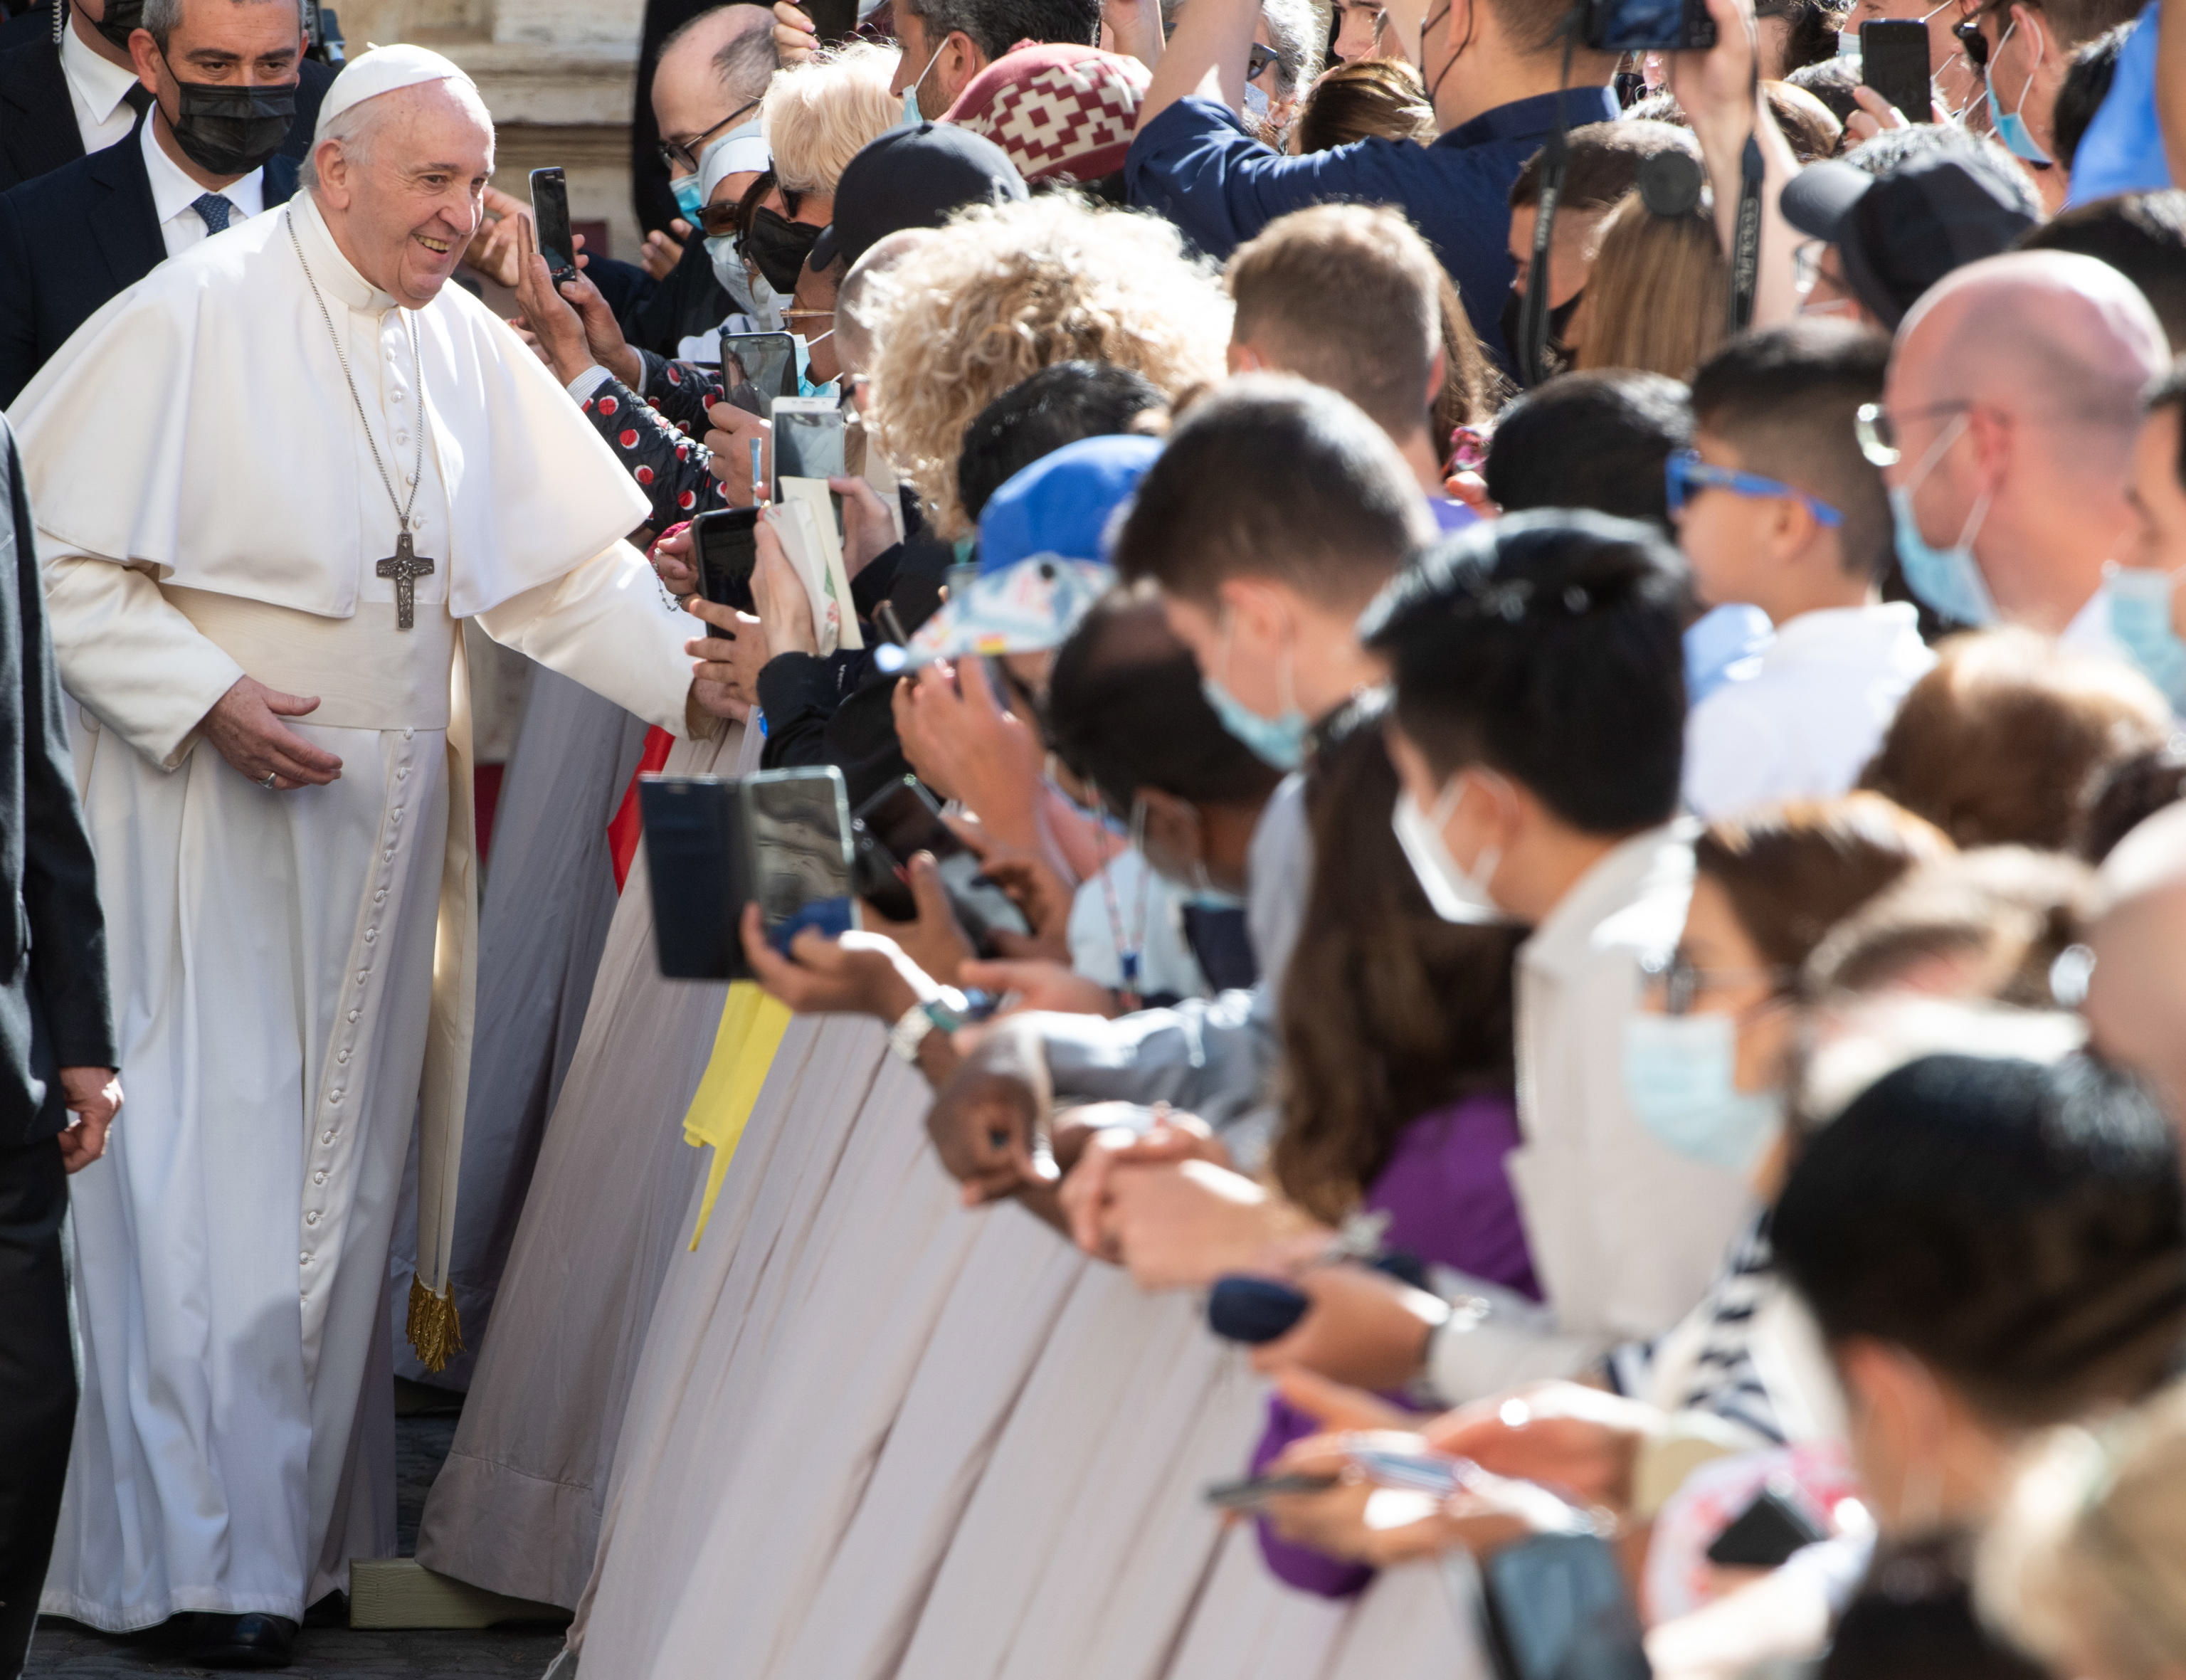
<point>72,239</point>
<point>58,1089</point>
<point>59,97</point>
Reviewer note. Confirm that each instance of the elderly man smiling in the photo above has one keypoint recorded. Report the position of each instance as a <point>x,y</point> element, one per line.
<point>269,480</point>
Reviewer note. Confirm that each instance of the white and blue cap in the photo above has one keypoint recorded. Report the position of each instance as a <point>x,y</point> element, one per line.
<point>1044,542</point>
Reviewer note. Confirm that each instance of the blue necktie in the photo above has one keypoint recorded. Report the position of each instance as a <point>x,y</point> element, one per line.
<point>216,210</point>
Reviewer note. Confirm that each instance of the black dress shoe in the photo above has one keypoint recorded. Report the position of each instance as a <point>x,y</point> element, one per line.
<point>250,1641</point>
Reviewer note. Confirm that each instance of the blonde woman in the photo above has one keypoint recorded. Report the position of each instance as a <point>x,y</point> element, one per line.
<point>1658,296</point>
<point>1000,293</point>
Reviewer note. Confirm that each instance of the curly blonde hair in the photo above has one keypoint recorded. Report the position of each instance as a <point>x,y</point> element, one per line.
<point>1006,290</point>
<point>821,113</point>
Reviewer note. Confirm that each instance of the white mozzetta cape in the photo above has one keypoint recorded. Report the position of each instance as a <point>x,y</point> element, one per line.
<point>218,478</point>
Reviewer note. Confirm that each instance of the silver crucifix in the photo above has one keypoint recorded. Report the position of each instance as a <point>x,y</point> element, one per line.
<point>405,566</point>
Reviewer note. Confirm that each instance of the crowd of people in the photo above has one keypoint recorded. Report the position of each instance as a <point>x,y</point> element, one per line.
<point>1531,1024</point>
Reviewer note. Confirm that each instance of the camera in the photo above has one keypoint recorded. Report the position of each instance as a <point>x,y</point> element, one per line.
<point>1647,25</point>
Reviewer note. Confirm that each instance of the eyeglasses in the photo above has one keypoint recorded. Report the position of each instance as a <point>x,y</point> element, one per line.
<point>682,156</point>
<point>1972,41</point>
<point>1256,63</point>
<point>1686,474</point>
<point>1877,430</point>
<point>1677,983</point>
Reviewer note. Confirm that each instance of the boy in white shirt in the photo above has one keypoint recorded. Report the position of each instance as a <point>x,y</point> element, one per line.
<point>1777,508</point>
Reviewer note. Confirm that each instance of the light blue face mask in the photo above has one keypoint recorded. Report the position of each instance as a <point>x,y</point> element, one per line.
<point>1280,742</point>
<point>913,116</point>
<point>1848,43</point>
<point>2011,125</point>
<point>689,198</point>
<point>806,388</point>
<point>2140,619</point>
<point>1949,579</point>
<point>1256,100</point>
<point>1679,1078</point>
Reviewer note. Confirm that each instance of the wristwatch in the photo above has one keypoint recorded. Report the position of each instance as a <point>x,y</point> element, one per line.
<point>945,1010</point>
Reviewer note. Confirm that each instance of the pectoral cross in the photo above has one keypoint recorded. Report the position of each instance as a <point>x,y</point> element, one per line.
<point>405,566</point>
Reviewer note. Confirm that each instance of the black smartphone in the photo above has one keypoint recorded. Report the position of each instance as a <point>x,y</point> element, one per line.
<point>1648,26</point>
<point>724,544</point>
<point>695,861</point>
<point>1893,60</point>
<point>756,368</point>
<point>1767,1532</point>
<point>904,819</point>
<point>1556,1609</point>
<point>550,209</point>
<point>797,829</point>
<point>1249,1493</point>
<point>1254,1310</point>
<point>834,20</point>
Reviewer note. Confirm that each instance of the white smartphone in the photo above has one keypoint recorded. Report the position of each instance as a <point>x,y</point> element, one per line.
<point>808,440</point>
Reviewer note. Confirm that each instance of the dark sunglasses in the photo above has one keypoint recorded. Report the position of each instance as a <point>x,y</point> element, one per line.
<point>1975,43</point>
<point>1256,63</point>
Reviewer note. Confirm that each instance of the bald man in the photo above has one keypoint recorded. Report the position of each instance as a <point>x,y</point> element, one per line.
<point>2005,431</point>
<point>2136,1004</point>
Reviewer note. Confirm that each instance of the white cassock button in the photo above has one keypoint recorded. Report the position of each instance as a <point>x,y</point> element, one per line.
<point>403,439</point>
<point>334,1098</point>
<point>353,1014</point>
<point>380,897</point>
<point>342,1057</point>
<point>403,774</point>
<point>311,1218</point>
<point>319,1177</point>
<point>395,394</point>
<point>395,815</point>
<point>408,733</point>
<point>371,935</point>
<point>325,1137</point>
<point>304,1258</point>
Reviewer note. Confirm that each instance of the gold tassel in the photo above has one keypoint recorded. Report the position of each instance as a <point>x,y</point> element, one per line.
<point>434,1328</point>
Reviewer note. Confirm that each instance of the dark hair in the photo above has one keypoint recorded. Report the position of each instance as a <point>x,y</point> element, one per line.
<point>2006,740</point>
<point>2143,236</point>
<point>1603,162</point>
<point>1914,1619</point>
<point>1785,398</point>
<point>996,26</point>
<point>1363,100</point>
<point>1059,404</point>
<point>2019,1228</point>
<point>1811,128</point>
<point>1404,1011</point>
<point>1893,149</point>
<point>2003,913</point>
<point>1546,646</point>
<point>2134,790</point>
<point>1125,711</point>
<point>2086,84</point>
<point>1811,36</point>
<point>1661,106</point>
<point>2074,22</point>
<point>1832,81</point>
<point>1270,476</point>
<point>2169,391</point>
<point>1791,872</point>
<point>1598,440</point>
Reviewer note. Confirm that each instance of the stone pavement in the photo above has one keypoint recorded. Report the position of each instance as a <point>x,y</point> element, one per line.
<point>64,1651</point>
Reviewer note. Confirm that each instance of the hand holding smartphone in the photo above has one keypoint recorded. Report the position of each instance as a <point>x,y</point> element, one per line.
<point>550,211</point>
<point>1893,58</point>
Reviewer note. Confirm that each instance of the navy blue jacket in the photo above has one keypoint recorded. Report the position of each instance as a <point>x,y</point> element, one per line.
<point>76,238</point>
<point>1195,165</point>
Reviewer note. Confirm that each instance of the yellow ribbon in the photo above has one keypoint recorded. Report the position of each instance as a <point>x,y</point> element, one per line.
<point>750,1032</point>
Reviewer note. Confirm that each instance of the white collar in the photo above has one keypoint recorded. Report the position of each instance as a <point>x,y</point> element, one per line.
<point>1832,629</point>
<point>99,83</point>
<point>173,192</point>
<point>335,275</point>
<point>2089,632</point>
<point>1650,872</point>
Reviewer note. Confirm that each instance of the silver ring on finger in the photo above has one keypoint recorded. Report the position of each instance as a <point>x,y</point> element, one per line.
<point>268,780</point>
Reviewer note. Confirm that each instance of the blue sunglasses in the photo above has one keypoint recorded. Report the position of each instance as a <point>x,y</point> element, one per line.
<point>1686,474</point>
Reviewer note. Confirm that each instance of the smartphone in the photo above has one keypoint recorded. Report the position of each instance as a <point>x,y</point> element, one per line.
<point>1893,60</point>
<point>1255,1310</point>
<point>1556,1608</point>
<point>756,369</point>
<point>797,827</point>
<point>904,819</point>
<point>724,543</point>
<point>550,209</point>
<point>1249,1493</point>
<point>1767,1532</point>
<point>1648,26</point>
<point>810,442</point>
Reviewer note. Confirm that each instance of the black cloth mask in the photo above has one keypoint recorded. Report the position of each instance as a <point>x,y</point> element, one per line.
<point>1555,354</point>
<point>232,130</point>
<point>123,18</point>
<point>779,246</point>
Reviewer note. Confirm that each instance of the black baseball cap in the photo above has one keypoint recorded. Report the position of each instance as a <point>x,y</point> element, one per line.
<point>913,178</point>
<point>1901,232</point>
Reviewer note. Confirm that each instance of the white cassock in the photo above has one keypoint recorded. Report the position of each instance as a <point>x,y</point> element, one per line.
<point>291,969</point>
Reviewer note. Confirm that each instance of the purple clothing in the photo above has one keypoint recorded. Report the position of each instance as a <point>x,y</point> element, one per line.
<point>1449,1204</point>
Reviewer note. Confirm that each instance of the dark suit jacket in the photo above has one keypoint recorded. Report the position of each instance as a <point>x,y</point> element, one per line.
<point>37,123</point>
<point>72,239</point>
<point>53,1007</point>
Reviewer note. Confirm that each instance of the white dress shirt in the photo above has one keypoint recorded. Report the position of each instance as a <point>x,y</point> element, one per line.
<point>1805,723</point>
<point>174,196</point>
<point>98,90</point>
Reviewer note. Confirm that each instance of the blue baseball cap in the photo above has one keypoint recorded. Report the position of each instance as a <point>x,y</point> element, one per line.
<point>1044,540</point>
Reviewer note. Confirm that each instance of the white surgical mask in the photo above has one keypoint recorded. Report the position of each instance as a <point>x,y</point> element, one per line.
<point>1680,1078</point>
<point>1848,43</point>
<point>1457,894</point>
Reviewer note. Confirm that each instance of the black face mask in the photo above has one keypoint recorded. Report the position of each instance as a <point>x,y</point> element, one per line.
<point>1556,355</point>
<point>779,246</point>
<point>123,18</point>
<point>232,130</point>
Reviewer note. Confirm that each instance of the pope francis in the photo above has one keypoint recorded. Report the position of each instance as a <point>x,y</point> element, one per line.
<point>268,481</point>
